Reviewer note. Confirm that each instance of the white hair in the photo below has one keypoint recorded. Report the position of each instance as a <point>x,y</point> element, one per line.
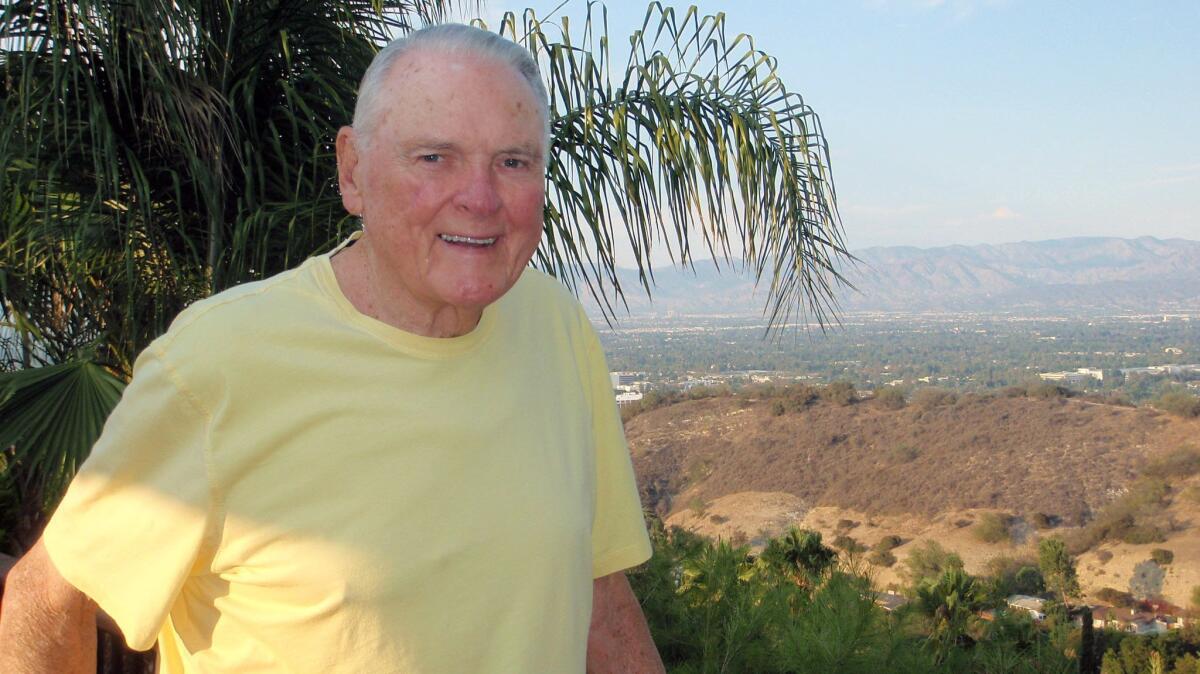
<point>453,38</point>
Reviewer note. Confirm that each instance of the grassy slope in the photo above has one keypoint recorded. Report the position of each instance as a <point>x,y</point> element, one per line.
<point>918,473</point>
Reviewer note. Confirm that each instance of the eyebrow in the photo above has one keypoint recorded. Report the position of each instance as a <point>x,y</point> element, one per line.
<point>434,144</point>
<point>425,144</point>
<point>528,150</point>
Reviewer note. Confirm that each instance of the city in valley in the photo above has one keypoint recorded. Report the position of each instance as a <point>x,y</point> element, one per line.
<point>1133,357</point>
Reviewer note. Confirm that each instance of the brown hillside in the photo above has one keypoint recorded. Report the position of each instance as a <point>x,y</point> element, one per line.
<point>1061,457</point>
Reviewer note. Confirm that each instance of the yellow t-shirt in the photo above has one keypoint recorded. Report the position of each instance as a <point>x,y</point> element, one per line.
<point>289,485</point>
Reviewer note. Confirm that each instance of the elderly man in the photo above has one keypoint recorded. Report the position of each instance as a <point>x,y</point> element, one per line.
<point>402,456</point>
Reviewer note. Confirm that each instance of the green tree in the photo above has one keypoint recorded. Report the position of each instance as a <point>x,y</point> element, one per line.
<point>1180,403</point>
<point>950,602</point>
<point>1058,568</point>
<point>928,561</point>
<point>799,554</point>
<point>153,154</point>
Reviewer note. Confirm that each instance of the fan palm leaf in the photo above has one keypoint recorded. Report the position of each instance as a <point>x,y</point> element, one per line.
<point>53,414</point>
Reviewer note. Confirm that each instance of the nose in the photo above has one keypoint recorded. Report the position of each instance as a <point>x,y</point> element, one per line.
<point>478,194</point>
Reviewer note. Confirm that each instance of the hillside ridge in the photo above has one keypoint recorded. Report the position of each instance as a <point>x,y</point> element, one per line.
<point>1061,457</point>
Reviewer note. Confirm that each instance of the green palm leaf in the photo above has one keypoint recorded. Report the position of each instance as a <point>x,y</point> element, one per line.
<point>49,419</point>
<point>698,138</point>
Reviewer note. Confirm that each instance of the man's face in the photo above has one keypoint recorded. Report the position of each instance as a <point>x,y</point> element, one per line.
<point>450,184</point>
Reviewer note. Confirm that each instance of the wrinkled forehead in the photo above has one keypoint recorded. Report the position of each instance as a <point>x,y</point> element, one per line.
<point>463,95</point>
<point>433,69</point>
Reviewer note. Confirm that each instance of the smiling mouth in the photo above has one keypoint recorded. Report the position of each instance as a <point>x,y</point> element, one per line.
<point>467,240</point>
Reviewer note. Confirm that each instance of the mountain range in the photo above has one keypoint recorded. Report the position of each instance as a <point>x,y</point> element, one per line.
<point>1142,275</point>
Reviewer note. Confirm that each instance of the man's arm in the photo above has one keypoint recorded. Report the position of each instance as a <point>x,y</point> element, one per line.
<point>46,625</point>
<point>619,640</point>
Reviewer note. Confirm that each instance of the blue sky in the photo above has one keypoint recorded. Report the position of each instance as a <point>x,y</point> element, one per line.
<point>976,121</point>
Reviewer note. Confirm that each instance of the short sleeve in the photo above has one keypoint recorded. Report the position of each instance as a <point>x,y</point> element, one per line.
<point>134,520</point>
<point>619,539</point>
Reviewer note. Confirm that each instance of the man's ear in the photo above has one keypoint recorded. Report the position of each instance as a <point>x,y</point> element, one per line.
<point>347,160</point>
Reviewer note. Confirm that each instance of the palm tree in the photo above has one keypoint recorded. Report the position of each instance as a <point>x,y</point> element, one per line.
<point>154,153</point>
<point>799,555</point>
<point>949,602</point>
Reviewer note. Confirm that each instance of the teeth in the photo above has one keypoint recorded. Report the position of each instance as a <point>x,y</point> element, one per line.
<point>451,238</point>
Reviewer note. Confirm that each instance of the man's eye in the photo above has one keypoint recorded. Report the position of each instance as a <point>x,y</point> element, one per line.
<point>513,163</point>
<point>431,158</point>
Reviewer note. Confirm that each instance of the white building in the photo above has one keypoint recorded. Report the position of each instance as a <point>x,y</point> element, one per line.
<point>628,397</point>
<point>1034,606</point>
<point>1080,376</point>
<point>620,379</point>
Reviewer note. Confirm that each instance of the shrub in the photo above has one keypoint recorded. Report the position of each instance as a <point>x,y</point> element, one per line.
<point>847,524</point>
<point>1044,390</point>
<point>1133,518</point>
<point>1192,493</point>
<point>929,398</point>
<point>652,399</point>
<point>905,454</point>
<point>881,558</point>
<point>1115,597</point>
<point>890,397</point>
<point>701,392</point>
<point>993,528</point>
<point>1162,556</point>
<point>1196,598</point>
<point>1029,580</point>
<point>1103,556</point>
<point>1178,463</point>
<point>1179,403</point>
<point>697,470</point>
<point>927,562</point>
<point>840,393</point>
<point>887,543</point>
<point>1042,520</point>
<point>1015,576</point>
<point>778,408</point>
<point>697,506</point>
<point>797,398</point>
<point>1143,535</point>
<point>1110,398</point>
<point>1147,580</point>
<point>848,544</point>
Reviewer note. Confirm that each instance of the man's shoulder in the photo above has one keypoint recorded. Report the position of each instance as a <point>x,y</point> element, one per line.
<point>244,306</point>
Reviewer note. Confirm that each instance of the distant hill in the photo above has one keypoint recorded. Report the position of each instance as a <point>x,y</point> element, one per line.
<point>733,467</point>
<point>1061,457</point>
<point>1135,275</point>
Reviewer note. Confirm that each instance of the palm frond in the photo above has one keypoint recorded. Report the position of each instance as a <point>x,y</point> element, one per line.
<point>49,419</point>
<point>697,138</point>
<point>164,151</point>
